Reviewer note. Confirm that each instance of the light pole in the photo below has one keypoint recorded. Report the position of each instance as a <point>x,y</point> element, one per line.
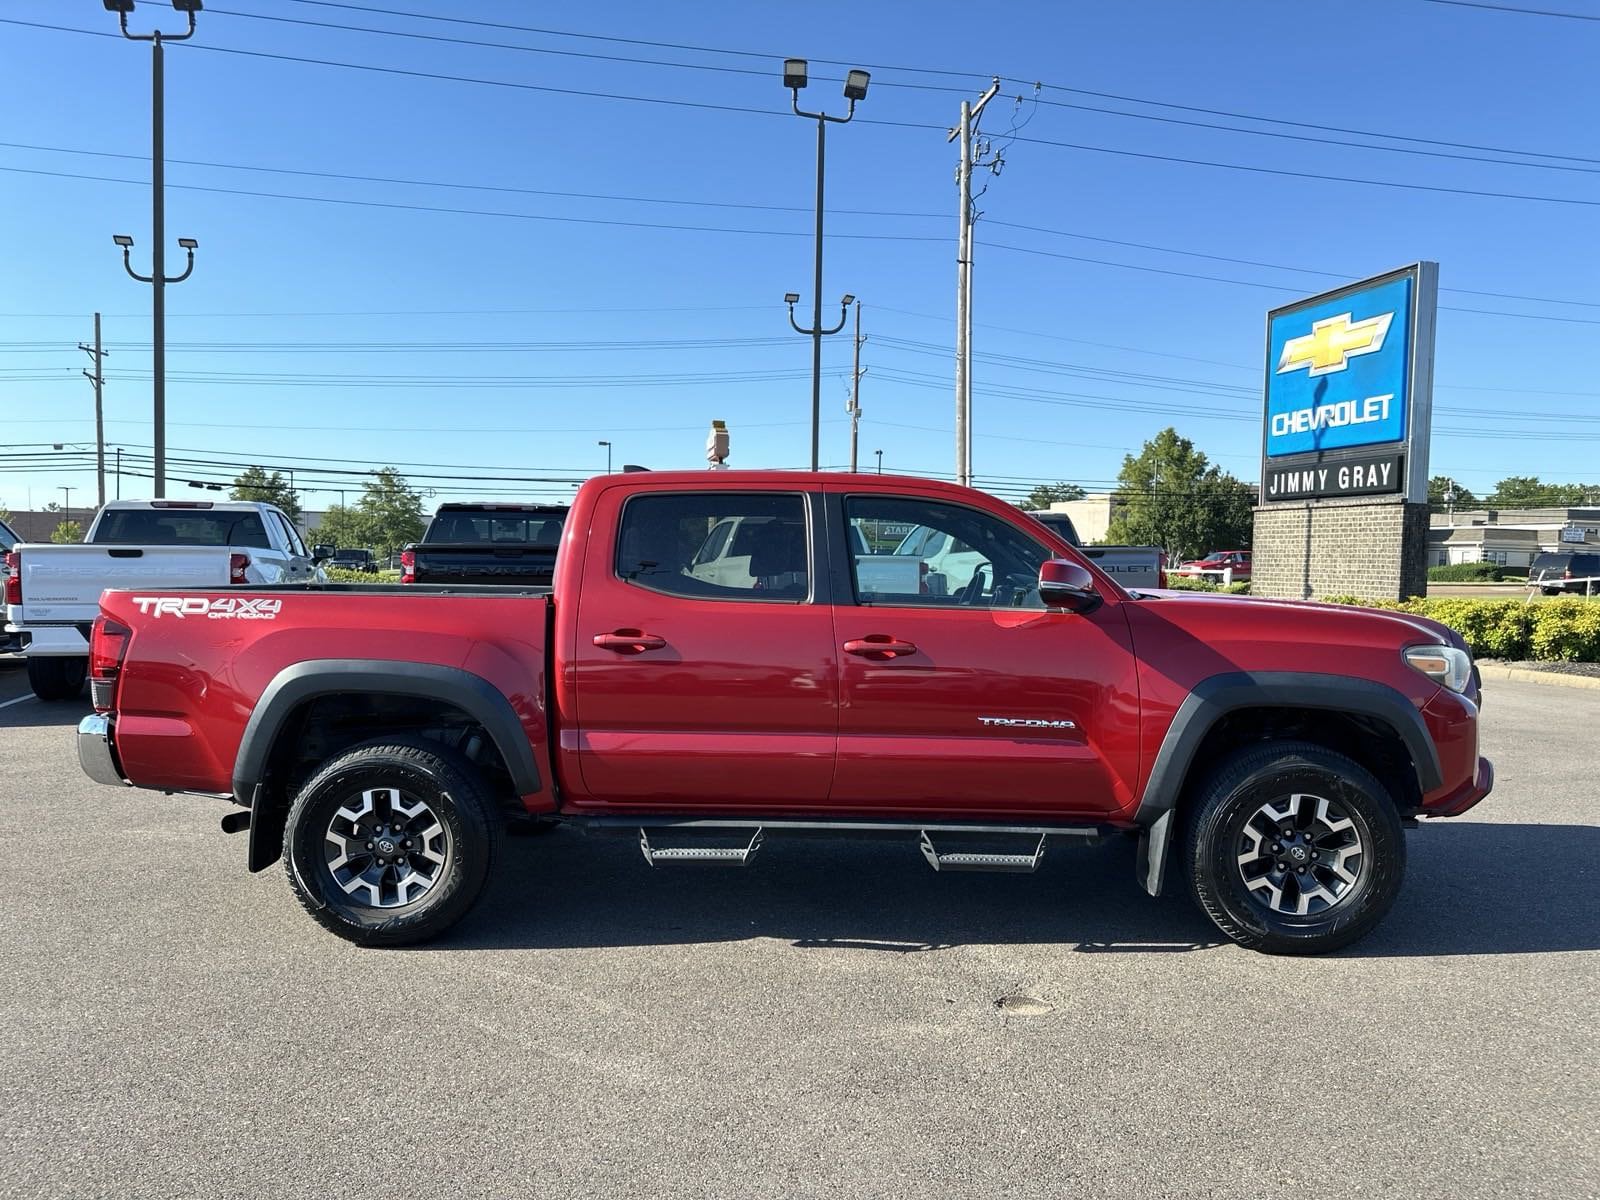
<point>855,88</point>
<point>607,445</point>
<point>879,453</point>
<point>157,278</point>
<point>66,508</point>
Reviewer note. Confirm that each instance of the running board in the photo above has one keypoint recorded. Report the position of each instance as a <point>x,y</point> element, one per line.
<point>970,860</point>
<point>654,855</point>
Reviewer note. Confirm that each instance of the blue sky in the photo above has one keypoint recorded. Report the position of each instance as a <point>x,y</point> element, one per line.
<point>510,344</point>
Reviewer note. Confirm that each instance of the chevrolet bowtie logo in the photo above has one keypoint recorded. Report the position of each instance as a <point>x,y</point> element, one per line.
<point>1333,342</point>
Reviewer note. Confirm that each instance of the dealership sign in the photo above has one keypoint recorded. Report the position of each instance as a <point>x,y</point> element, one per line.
<point>1349,390</point>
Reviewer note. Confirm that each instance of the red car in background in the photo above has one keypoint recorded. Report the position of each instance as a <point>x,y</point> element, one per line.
<point>1218,561</point>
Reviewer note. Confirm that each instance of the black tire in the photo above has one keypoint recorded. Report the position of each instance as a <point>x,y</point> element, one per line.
<point>417,771</point>
<point>57,678</point>
<point>1222,828</point>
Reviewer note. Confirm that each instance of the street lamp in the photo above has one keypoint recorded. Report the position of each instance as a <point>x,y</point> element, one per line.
<point>66,507</point>
<point>879,453</point>
<point>795,74</point>
<point>607,445</point>
<point>158,278</point>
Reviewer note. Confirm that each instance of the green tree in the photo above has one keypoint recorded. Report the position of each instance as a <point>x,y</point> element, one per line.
<point>254,483</point>
<point>344,527</point>
<point>391,513</point>
<point>1439,485</point>
<point>1174,498</point>
<point>5,513</point>
<point>67,532</point>
<point>1046,494</point>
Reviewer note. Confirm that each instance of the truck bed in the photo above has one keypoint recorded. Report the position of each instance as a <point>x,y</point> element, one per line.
<point>200,660</point>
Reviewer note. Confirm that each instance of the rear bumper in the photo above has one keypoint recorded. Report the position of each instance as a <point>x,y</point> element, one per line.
<point>51,640</point>
<point>95,753</point>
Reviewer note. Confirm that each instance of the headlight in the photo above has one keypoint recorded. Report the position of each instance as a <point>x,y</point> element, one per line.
<point>1445,665</point>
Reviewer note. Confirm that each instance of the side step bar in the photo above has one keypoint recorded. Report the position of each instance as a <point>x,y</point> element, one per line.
<point>971,860</point>
<point>965,847</point>
<point>739,855</point>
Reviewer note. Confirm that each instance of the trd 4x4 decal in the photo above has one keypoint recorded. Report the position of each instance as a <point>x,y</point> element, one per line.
<point>248,608</point>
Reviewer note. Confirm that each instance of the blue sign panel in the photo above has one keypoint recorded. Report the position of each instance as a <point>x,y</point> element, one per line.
<point>1338,370</point>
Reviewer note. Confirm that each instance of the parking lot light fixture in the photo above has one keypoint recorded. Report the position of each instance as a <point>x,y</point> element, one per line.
<point>158,278</point>
<point>855,88</point>
<point>122,240</point>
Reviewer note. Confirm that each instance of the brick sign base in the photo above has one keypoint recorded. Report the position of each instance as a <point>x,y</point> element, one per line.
<point>1374,549</point>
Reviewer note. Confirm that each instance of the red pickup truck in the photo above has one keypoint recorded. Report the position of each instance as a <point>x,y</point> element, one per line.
<point>380,738</point>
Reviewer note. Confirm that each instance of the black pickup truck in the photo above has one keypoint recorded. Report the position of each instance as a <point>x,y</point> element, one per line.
<point>487,543</point>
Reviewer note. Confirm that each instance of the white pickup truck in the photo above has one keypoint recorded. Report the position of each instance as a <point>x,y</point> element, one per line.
<point>52,593</point>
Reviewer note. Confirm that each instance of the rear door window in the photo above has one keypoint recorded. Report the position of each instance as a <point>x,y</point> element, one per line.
<point>662,537</point>
<point>181,527</point>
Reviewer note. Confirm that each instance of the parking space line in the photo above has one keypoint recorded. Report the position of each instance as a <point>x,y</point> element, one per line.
<point>18,700</point>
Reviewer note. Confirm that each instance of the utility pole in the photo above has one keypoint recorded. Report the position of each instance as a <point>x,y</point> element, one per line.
<point>157,278</point>
<point>970,113</point>
<point>97,378</point>
<point>854,408</point>
<point>119,472</point>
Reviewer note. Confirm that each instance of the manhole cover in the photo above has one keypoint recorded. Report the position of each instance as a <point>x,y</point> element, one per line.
<point>1024,1006</point>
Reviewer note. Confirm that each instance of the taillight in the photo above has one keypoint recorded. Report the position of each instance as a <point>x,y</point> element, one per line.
<point>14,577</point>
<point>237,565</point>
<point>108,644</point>
<point>408,566</point>
<point>1161,570</point>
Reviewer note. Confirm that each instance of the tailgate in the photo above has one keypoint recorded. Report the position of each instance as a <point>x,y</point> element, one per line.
<point>520,562</point>
<point>62,584</point>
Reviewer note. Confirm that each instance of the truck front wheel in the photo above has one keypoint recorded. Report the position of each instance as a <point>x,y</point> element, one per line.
<point>57,678</point>
<point>1294,849</point>
<point>390,843</point>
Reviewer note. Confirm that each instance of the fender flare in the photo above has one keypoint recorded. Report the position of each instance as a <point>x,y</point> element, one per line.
<point>1216,697</point>
<point>292,686</point>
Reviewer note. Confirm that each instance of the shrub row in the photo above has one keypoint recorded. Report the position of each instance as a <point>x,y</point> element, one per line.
<point>1476,572</point>
<point>1566,630</point>
<point>1191,583</point>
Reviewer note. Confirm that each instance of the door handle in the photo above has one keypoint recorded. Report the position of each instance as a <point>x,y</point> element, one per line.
<point>876,644</point>
<point>629,641</point>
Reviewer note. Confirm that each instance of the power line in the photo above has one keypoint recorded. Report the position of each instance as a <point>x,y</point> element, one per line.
<point>1078,146</point>
<point>474,187</point>
<point>966,76</point>
<point>467,212</point>
<point>1522,12</point>
<point>758,207</point>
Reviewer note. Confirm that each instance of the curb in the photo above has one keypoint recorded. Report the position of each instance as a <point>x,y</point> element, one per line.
<point>1525,675</point>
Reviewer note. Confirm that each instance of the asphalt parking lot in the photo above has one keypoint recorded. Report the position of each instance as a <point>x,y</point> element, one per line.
<point>823,1023</point>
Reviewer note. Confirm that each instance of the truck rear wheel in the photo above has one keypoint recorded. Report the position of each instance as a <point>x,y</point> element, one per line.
<point>57,678</point>
<point>1292,848</point>
<point>390,843</point>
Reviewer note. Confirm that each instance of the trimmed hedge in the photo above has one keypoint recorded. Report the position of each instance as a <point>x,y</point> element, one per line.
<point>1476,572</point>
<point>1193,583</point>
<point>1566,630</point>
<point>349,575</point>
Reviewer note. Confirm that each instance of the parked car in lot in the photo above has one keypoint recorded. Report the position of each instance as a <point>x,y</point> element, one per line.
<point>1567,571</point>
<point>1218,561</point>
<point>52,592</point>
<point>487,543</point>
<point>354,559</point>
<point>377,737</point>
